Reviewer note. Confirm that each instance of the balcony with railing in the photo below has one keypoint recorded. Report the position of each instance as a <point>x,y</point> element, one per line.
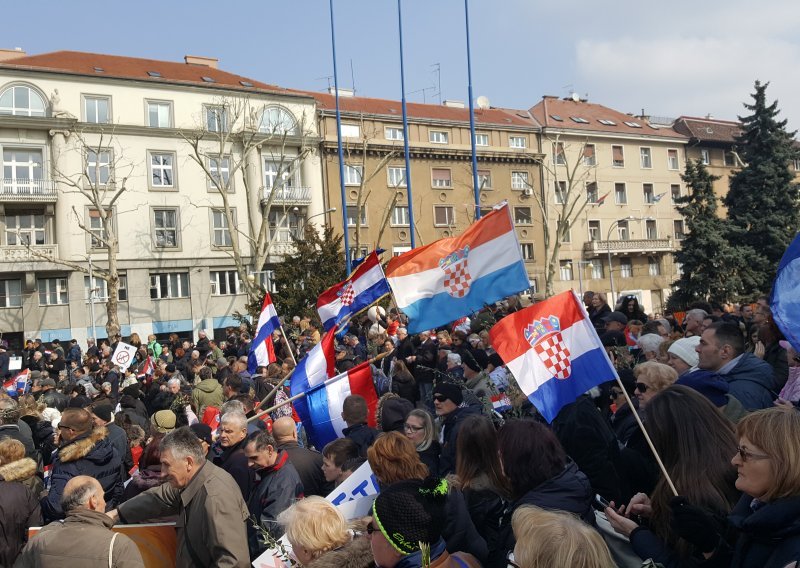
<point>22,253</point>
<point>628,246</point>
<point>289,195</point>
<point>25,189</point>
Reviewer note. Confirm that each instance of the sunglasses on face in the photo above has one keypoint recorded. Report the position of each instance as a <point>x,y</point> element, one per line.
<point>641,387</point>
<point>439,398</point>
<point>747,455</point>
<point>615,393</point>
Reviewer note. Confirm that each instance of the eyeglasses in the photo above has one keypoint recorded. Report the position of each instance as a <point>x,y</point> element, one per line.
<point>510,561</point>
<point>439,398</point>
<point>63,427</point>
<point>641,387</point>
<point>748,455</point>
<point>413,428</point>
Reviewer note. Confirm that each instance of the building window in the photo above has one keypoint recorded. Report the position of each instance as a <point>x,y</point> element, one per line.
<point>591,192</point>
<point>224,283</point>
<point>519,180</point>
<point>286,228</point>
<point>444,215</point>
<point>526,249</point>
<point>100,289</point>
<point>589,158</point>
<point>598,272</point>
<point>164,286</point>
<point>654,266</point>
<point>98,166</point>
<point>520,142</point>
<point>649,196</point>
<point>650,229</point>
<point>672,159</point>
<point>96,109</point>
<point>561,192</point>
<point>625,268</point>
<point>678,269</point>
<point>358,253</point>
<point>441,177</point>
<point>220,170</point>
<point>620,194</point>
<point>394,133</point>
<point>559,158</point>
<point>396,176</point>
<point>398,250</point>
<point>645,158</point>
<point>566,237</point>
<point>675,192</point>
<point>796,164</point>
<point>617,157</point>
<point>22,101</point>
<point>165,227</point>
<point>730,159</point>
<point>216,118</point>
<point>400,216</point>
<point>97,230</point>
<point>439,136</point>
<point>351,131</point>
<point>353,174</point>
<point>594,230</point>
<point>220,228</point>
<point>161,170</point>
<point>534,285</point>
<point>278,120</point>
<point>10,293</point>
<point>159,114</point>
<point>52,291</point>
<point>271,171</point>
<point>266,279</point>
<point>565,267</point>
<point>484,179</point>
<point>678,230</point>
<point>26,229</point>
<point>351,216</point>
<point>623,231</point>
<point>481,139</point>
<point>522,216</point>
<point>705,157</point>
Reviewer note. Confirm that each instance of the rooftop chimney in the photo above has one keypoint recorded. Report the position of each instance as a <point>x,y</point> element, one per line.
<point>454,104</point>
<point>342,92</point>
<point>9,54</point>
<point>211,62</point>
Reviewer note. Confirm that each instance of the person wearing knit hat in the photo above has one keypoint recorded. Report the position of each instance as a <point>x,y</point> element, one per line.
<point>406,526</point>
<point>683,356</point>
<point>163,421</point>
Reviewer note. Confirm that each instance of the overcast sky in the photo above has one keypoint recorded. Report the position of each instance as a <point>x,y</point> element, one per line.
<point>682,57</point>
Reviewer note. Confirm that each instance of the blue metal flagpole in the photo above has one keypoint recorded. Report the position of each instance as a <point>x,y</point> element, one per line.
<point>405,132</point>
<point>341,153</point>
<point>476,188</point>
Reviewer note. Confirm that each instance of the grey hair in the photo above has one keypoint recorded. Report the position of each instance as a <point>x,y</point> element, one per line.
<point>9,411</point>
<point>80,495</point>
<point>231,406</point>
<point>454,358</point>
<point>697,313</point>
<point>174,381</point>
<point>182,443</point>
<point>650,342</point>
<point>665,323</point>
<point>235,416</point>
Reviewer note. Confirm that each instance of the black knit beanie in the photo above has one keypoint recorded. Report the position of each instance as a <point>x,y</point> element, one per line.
<point>449,391</point>
<point>411,512</point>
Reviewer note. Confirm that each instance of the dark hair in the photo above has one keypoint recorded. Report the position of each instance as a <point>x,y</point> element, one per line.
<point>340,450</point>
<point>651,327</point>
<point>476,454</point>
<point>262,440</point>
<point>728,333</point>
<point>531,454</point>
<point>151,455</point>
<point>695,442</point>
<point>234,382</point>
<point>354,409</point>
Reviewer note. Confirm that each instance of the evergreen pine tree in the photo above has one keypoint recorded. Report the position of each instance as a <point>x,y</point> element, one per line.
<point>709,262</point>
<point>316,265</point>
<point>762,200</point>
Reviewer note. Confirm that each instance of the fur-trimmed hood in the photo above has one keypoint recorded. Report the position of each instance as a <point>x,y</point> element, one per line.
<point>83,446</point>
<point>354,554</point>
<point>19,470</point>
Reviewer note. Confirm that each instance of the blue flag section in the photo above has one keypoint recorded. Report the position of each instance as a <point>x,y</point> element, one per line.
<point>785,298</point>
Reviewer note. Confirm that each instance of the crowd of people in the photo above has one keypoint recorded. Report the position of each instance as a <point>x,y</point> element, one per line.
<point>469,473</point>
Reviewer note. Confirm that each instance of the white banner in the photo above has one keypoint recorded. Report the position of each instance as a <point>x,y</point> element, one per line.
<point>123,355</point>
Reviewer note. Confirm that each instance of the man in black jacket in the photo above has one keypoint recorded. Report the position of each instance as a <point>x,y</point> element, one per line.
<point>229,450</point>
<point>104,416</point>
<point>355,413</point>
<point>308,463</point>
<point>447,399</point>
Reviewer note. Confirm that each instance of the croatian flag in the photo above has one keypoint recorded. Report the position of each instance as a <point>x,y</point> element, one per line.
<point>147,369</point>
<point>18,382</point>
<point>553,351</point>
<point>325,402</point>
<point>365,286</point>
<point>443,281</point>
<point>262,351</point>
<point>311,371</point>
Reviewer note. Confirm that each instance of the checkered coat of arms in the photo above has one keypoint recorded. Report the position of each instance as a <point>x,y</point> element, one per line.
<point>545,337</point>
<point>457,279</point>
<point>347,294</point>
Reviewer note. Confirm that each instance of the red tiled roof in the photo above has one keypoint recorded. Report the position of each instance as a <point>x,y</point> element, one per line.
<point>708,129</point>
<point>81,63</point>
<point>386,107</point>
<point>585,116</point>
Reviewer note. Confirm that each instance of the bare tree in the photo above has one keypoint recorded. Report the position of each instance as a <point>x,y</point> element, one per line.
<point>102,181</point>
<point>234,137</point>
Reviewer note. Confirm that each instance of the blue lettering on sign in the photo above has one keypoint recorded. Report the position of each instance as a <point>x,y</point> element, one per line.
<point>358,491</point>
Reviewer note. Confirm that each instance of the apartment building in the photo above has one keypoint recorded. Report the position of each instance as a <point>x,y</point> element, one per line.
<point>630,172</point>
<point>441,171</point>
<point>70,120</point>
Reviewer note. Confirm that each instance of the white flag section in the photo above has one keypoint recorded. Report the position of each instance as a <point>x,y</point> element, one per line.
<point>123,355</point>
<point>274,558</point>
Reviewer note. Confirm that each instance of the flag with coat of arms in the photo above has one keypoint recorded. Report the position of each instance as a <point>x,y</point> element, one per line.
<point>553,351</point>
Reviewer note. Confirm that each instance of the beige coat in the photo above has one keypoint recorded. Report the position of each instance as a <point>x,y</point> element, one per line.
<point>212,518</point>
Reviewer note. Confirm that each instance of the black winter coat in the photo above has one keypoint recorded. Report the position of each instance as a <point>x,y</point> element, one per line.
<point>450,427</point>
<point>19,508</point>
<point>43,437</point>
<point>308,464</point>
<point>54,399</point>
<point>363,436</point>
<point>459,531</point>
<point>769,536</point>
<point>233,460</point>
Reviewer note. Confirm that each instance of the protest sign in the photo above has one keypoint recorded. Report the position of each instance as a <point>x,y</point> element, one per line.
<point>123,355</point>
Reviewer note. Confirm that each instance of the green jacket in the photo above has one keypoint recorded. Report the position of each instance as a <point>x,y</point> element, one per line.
<point>207,393</point>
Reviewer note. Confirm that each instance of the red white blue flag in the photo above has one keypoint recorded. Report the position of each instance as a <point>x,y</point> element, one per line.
<point>365,286</point>
<point>262,350</point>
<point>553,351</point>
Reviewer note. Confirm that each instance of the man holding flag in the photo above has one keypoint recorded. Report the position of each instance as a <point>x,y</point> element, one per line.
<point>262,349</point>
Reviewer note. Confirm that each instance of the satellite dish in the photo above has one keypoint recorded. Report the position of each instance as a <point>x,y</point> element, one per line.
<point>576,97</point>
<point>483,102</point>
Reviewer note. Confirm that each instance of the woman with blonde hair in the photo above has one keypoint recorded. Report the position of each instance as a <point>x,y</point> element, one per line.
<point>321,538</point>
<point>547,539</point>
<point>652,377</point>
<point>420,429</point>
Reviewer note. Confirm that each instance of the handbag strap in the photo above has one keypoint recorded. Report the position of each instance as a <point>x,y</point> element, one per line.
<point>111,550</point>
